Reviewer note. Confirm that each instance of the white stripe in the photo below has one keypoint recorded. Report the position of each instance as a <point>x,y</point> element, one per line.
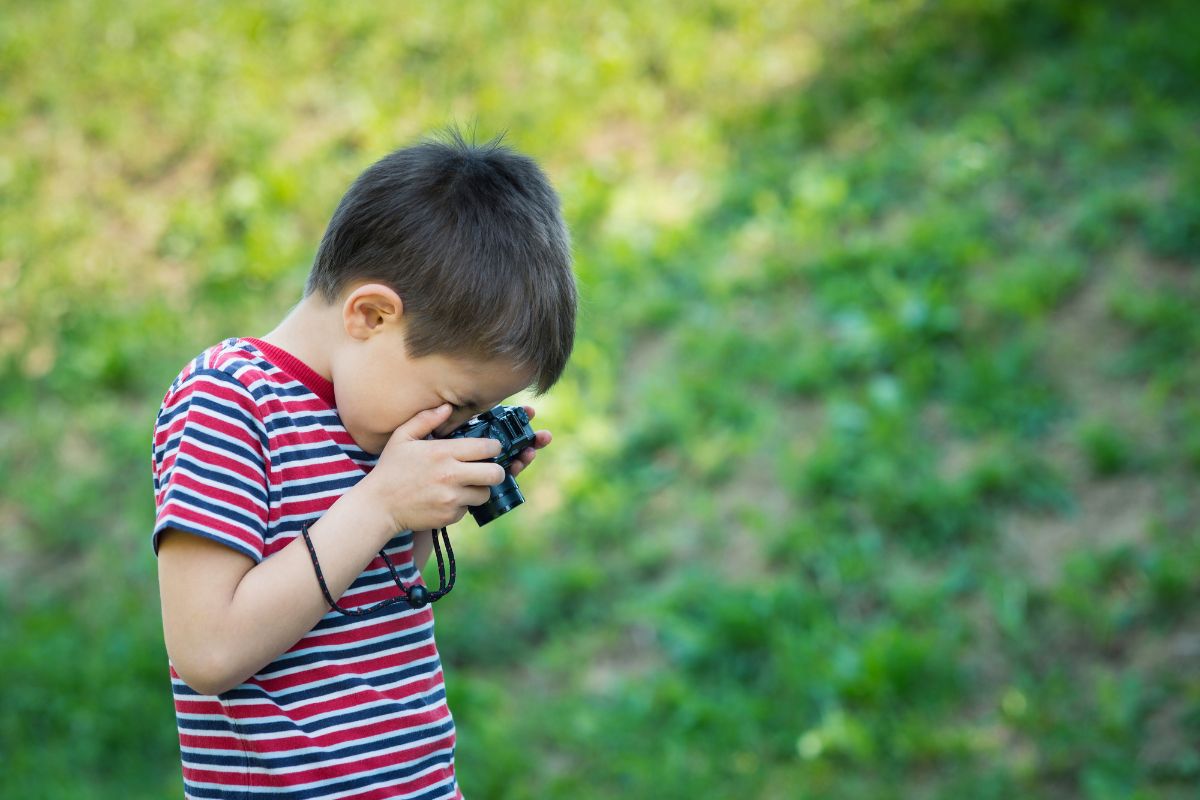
<point>187,465</point>
<point>234,451</point>
<point>385,705</point>
<point>365,686</point>
<point>348,793</point>
<point>330,656</point>
<point>295,731</point>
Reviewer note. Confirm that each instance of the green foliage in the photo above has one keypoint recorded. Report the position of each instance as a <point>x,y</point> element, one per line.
<point>874,468</point>
<point>1107,449</point>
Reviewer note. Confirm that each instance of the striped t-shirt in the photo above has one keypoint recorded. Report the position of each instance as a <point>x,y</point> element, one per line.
<point>248,446</point>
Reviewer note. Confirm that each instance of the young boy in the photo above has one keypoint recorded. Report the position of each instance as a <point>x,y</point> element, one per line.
<point>443,285</point>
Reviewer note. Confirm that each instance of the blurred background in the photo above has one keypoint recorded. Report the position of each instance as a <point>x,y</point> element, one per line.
<point>876,467</point>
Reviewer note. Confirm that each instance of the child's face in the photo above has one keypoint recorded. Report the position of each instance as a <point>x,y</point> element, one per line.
<point>379,387</point>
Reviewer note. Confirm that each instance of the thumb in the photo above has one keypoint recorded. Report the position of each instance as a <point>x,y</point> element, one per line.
<point>423,424</point>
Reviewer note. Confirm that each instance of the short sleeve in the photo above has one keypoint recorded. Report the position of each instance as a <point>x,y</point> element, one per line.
<point>211,465</point>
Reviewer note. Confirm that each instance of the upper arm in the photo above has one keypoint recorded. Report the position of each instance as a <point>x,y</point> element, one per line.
<point>212,498</point>
<point>197,579</point>
<point>422,546</point>
<point>211,465</point>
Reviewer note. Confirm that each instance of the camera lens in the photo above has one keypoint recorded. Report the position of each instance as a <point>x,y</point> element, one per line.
<point>505,497</point>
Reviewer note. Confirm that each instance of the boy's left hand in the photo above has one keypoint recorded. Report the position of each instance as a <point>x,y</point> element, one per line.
<point>540,440</point>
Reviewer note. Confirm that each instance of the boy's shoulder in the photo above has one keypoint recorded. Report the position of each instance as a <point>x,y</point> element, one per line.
<point>232,356</point>
<point>233,362</point>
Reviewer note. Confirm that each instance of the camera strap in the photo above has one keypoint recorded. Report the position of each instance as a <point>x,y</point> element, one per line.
<point>415,594</point>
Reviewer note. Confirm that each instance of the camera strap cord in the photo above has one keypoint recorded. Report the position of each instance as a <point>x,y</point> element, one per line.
<point>416,595</point>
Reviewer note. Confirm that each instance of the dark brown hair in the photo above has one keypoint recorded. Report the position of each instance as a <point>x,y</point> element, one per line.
<point>472,239</point>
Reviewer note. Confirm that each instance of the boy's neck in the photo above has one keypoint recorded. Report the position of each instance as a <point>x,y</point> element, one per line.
<point>310,332</point>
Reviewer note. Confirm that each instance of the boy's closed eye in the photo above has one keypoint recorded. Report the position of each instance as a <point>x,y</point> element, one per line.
<point>463,404</point>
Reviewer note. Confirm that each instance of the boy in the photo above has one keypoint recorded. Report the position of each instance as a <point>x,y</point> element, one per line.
<point>442,285</point>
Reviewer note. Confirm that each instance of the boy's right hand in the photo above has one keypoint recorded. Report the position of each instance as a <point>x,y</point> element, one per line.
<point>424,483</point>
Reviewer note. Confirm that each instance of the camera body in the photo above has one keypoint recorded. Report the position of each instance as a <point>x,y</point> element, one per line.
<point>509,425</point>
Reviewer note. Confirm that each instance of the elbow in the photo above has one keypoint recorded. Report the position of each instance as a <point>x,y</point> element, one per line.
<point>208,672</point>
<point>208,686</point>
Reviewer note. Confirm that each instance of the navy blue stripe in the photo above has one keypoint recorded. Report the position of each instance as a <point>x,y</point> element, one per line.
<point>216,443</point>
<point>333,620</point>
<point>314,486</point>
<point>331,450</point>
<point>223,376</point>
<point>357,683</point>
<point>316,727</point>
<point>272,387</point>
<point>232,793</point>
<point>199,758</point>
<point>284,421</point>
<point>221,538</point>
<point>206,725</point>
<point>198,398</point>
<point>187,465</point>
<point>237,418</point>
<point>253,525</point>
<point>361,716</point>
<point>379,578</point>
<point>323,655</point>
<point>440,791</point>
<point>308,452</point>
<point>235,414</point>
<point>167,415</point>
<point>399,541</point>
<point>266,390</point>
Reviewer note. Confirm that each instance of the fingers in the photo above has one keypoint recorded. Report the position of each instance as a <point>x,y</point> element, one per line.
<point>425,423</point>
<point>521,463</point>
<point>471,449</point>
<point>478,495</point>
<point>484,473</point>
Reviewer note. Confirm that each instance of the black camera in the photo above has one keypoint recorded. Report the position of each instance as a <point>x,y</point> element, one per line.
<point>510,426</point>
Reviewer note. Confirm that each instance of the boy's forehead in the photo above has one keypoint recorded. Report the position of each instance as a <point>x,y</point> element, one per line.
<point>495,376</point>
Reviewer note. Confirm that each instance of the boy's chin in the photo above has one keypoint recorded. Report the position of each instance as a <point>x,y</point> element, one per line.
<point>372,443</point>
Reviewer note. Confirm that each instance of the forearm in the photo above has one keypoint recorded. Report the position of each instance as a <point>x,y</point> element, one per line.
<point>422,546</point>
<point>279,600</point>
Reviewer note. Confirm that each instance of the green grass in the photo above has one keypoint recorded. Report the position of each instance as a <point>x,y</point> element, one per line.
<point>874,471</point>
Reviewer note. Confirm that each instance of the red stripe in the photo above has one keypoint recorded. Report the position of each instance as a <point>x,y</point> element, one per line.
<point>219,389</point>
<point>388,627</point>
<point>361,764</point>
<point>277,744</point>
<point>377,664</point>
<point>228,494</point>
<point>249,711</point>
<point>211,524</point>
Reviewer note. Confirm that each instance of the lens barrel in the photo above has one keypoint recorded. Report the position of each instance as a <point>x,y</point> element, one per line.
<point>505,497</point>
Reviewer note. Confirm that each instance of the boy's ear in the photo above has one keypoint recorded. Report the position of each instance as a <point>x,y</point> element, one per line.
<point>369,308</point>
